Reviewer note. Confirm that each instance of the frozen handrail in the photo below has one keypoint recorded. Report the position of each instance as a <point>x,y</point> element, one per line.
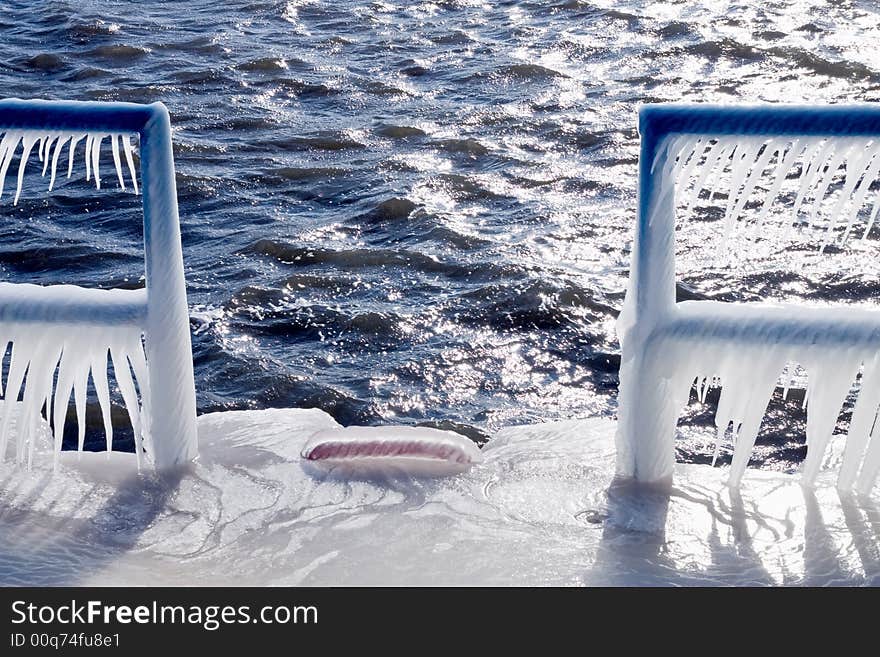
<point>666,346</point>
<point>69,331</point>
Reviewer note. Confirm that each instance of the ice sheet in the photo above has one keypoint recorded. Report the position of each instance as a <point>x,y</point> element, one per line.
<point>537,510</point>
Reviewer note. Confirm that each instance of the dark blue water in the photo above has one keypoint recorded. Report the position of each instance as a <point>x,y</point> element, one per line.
<point>410,212</point>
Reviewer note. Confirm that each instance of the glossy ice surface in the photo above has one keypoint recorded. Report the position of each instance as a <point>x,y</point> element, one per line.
<point>535,511</point>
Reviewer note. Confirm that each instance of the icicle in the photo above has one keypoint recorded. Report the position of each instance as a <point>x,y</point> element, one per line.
<point>719,436</point>
<point>18,365</point>
<point>713,158</point>
<point>728,158</point>
<point>870,177</point>
<point>795,150</point>
<point>788,379</point>
<point>7,146</point>
<point>117,163</point>
<point>692,153</point>
<point>74,140</point>
<point>63,388</point>
<point>102,389</point>
<point>39,376</point>
<point>755,175</point>
<point>96,157</point>
<point>811,173</point>
<point>724,160</point>
<point>830,172</point>
<point>668,151</point>
<point>830,381</point>
<point>45,160</point>
<point>700,155</point>
<point>27,143</point>
<point>670,145</point>
<point>48,393</point>
<point>870,465</point>
<point>873,216</point>
<point>863,419</point>
<point>129,396</point>
<point>61,141</point>
<point>855,169</point>
<point>80,386</point>
<point>34,361</point>
<point>743,164</point>
<point>126,147</point>
<point>5,345</point>
<point>88,156</point>
<point>861,192</point>
<point>138,362</point>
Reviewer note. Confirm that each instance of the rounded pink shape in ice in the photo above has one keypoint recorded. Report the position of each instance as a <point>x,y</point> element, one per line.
<point>412,450</point>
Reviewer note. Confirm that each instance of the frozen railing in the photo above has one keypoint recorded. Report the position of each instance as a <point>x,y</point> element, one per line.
<point>744,347</point>
<point>61,334</point>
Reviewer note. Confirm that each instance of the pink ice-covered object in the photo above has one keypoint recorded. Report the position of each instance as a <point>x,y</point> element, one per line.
<point>413,450</point>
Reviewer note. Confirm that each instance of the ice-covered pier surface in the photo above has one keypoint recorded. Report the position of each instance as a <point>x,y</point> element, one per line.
<point>537,510</point>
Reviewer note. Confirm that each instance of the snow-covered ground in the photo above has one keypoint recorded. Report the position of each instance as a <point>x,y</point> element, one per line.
<point>542,508</point>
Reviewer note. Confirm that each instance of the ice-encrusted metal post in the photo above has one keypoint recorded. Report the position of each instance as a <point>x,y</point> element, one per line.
<point>644,439</point>
<point>652,325</point>
<point>168,394</point>
<point>171,411</point>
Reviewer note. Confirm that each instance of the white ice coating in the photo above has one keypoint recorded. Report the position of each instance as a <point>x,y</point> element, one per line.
<point>668,347</point>
<point>48,363</point>
<point>755,168</point>
<point>542,508</point>
<point>59,337</point>
<point>49,146</point>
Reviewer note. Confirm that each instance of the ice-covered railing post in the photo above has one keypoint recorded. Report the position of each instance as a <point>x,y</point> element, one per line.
<point>73,329</point>
<point>666,346</point>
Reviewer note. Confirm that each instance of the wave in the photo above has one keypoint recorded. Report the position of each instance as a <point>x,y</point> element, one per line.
<point>392,209</point>
<point>87,31</point>
<point>529,72</point>
<point>400,132</point>
<point>325,141</point>
<point>48,62</point>
<point>120,53</point>
<point>303,89</point>
<point>263,64</point>
<point>364,258</point>
<point>68,258</point>
<point>537,305</point>
<point>847,70</point>
<point>467,146</point>
<point>305,173</point>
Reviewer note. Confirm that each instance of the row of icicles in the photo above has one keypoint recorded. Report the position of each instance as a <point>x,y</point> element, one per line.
<point>49,149</point>
<point>706,163</point>
<point>49,362</point>
<point>748,381</point>
<point>55,363</point>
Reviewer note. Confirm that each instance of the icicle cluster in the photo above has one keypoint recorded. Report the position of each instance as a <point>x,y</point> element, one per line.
<point>748,348</point>
<point>54,362</point>
<point>747,361</point>
<point>741,165</point>
<point>49,362</point>
<point>49,148</point>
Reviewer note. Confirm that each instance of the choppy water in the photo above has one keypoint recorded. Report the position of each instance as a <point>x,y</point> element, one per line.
<point>415,212</point>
